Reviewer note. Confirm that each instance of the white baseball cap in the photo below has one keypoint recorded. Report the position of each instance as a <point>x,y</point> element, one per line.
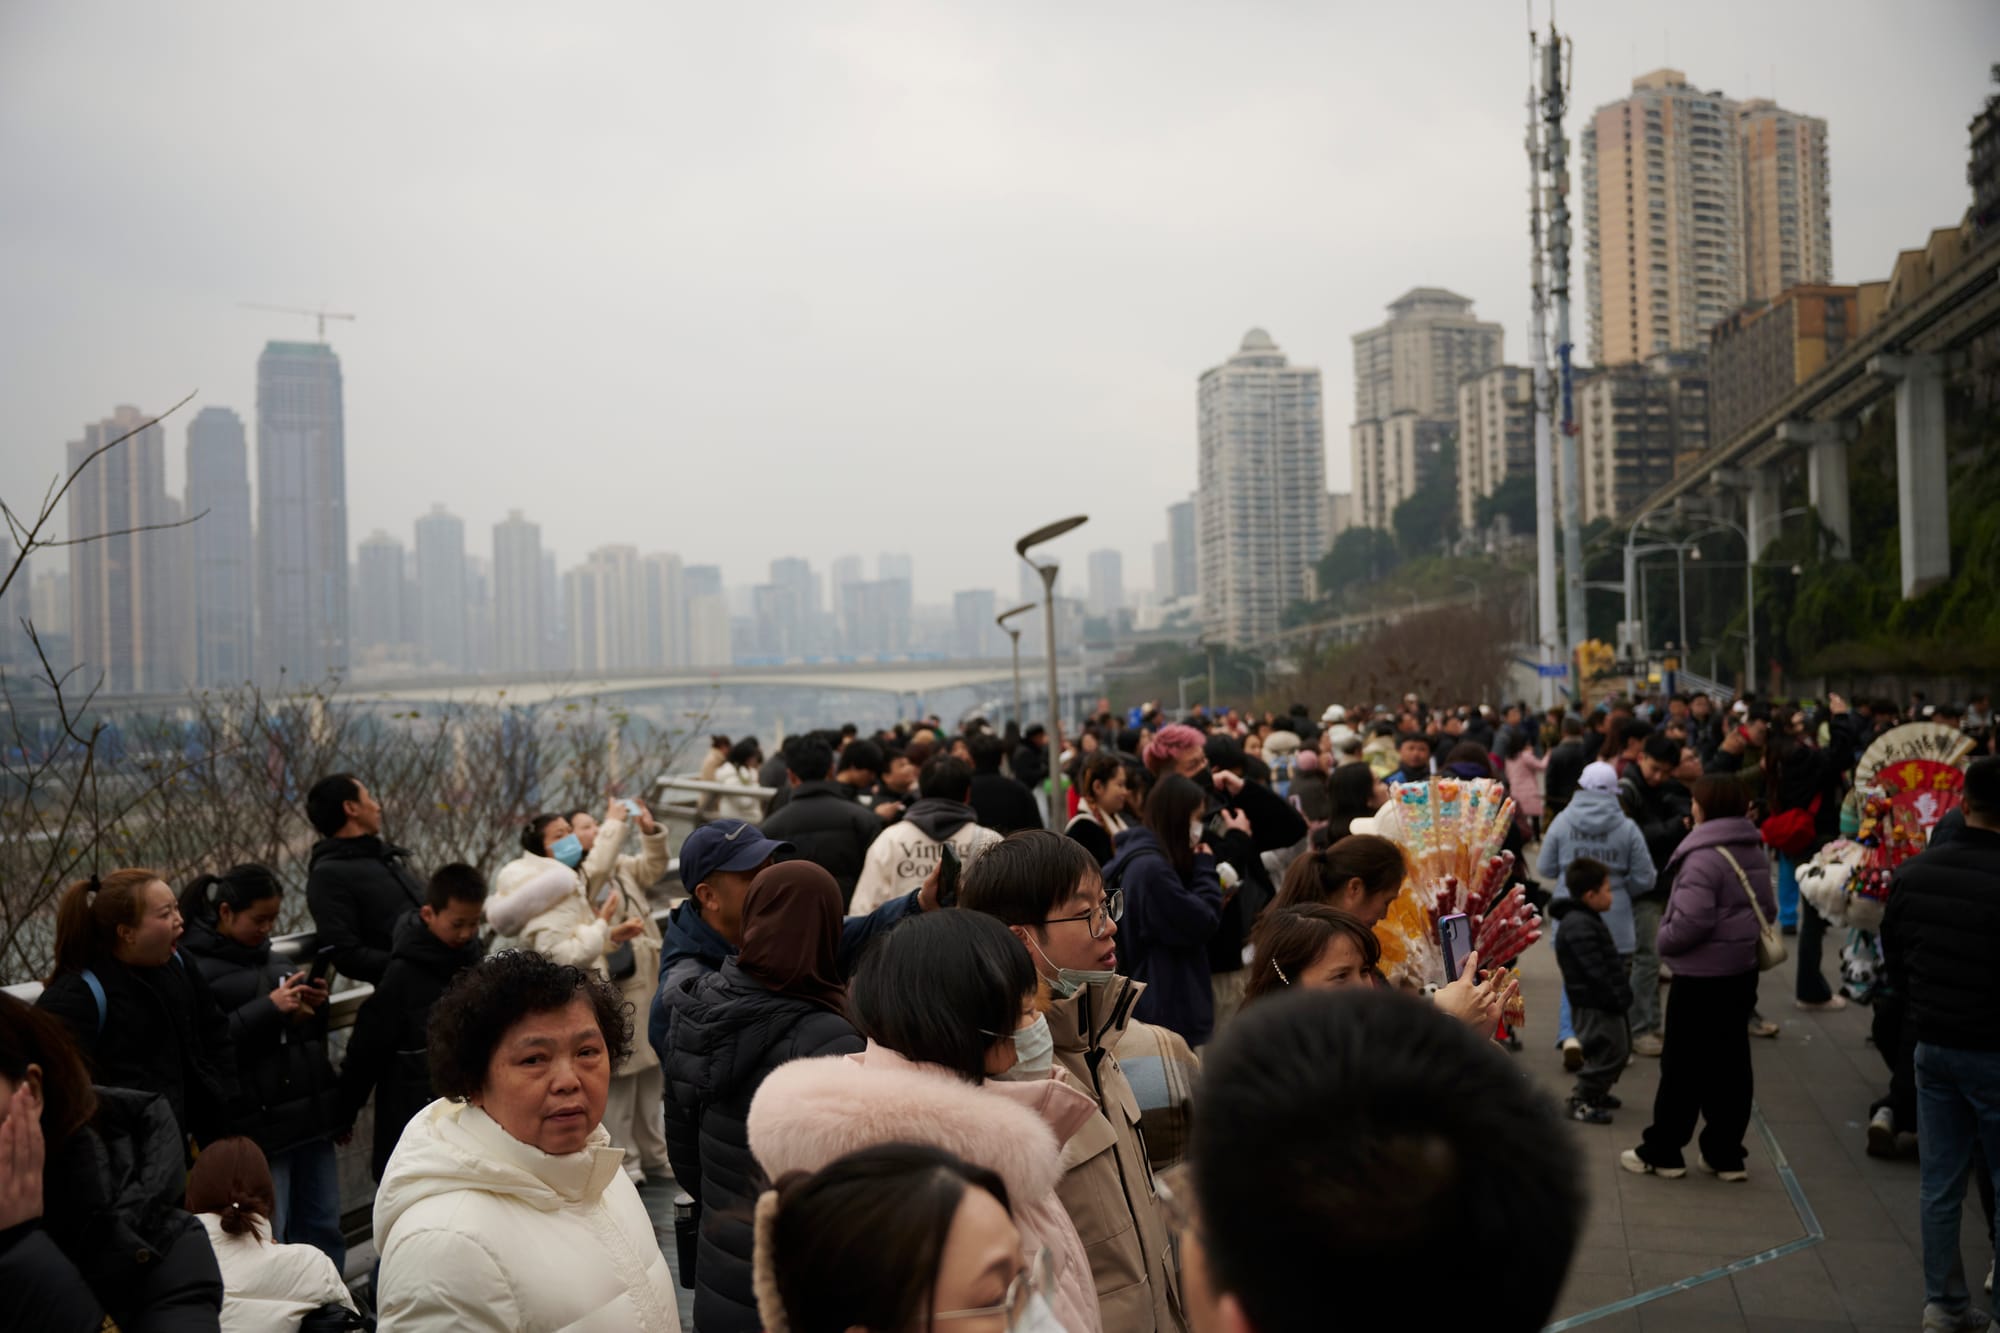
<point>1598,776</point>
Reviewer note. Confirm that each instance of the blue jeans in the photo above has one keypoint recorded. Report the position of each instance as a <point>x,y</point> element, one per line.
<point>1788,891</point>
<point>306,1182</point>
<point>1958,1105</point>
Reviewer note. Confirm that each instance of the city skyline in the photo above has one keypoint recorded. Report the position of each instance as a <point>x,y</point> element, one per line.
<point>673,323</point>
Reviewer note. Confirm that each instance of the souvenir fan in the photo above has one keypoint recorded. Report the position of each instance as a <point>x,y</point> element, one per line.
<point>1451,830</point>
<point>1906,782</point>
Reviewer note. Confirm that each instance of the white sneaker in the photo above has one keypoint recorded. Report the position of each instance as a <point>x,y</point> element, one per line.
<point>1733,1177</point>
<point>1648,1044</point>
<point>1969,1320</point>
<point>1639,1166</point>
<point>1827,1006</point>
<point>1572,1055</point>
<point>1882,1134</point>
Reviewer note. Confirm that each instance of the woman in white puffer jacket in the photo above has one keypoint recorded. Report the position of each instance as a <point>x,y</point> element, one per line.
<point>540,899</point>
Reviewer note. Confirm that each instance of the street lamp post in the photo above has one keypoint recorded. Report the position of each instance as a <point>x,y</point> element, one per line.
<point>1749,536</point>
<point>1014,634</point>
<point>1048,572</point>
<point>1182,687</point>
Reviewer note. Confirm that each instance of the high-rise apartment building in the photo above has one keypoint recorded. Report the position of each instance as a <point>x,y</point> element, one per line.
<point>1496,434</point>
<point>302,628</point>
<point>381,578</point>
<point>16,606</point>
<point>225,550</point>
<point>121,581</point>
<point>1762,352</point>
<point>1637,424</point>
<point>517,593</point>
<point>1406,376</point>
<point>1184,550</point>
<point>1262,471</point>
<point>607,611</point>
<point>555,629</point>
<point>973,630</point>
<point>1106,595</point>
<point>664,594</point>
<point>1787,201</point>
<point>443,622</point>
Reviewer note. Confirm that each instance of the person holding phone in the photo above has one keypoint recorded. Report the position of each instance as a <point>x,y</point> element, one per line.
<point>542,898</point>
<point>1166,871</point>
<point>277,1024</point>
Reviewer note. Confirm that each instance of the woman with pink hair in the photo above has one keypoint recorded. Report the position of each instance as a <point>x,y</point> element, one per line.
<point>1177,749</point>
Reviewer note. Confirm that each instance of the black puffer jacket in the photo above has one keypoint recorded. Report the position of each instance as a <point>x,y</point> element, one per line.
<point>726,1035</point>
<point>828,827</point>
<point>357,890</point>
<point>1003,805</point>
<point>1662,813</point>
<point>1274,826</point>
<point>1940,937</point>
<point>113,1247</point>
<point>281,1065</point>
<point>1593,974</point>
<point>388,1053</point>
<point>160,1032</point>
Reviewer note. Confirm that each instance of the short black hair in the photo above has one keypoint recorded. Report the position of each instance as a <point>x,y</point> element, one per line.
<point>1572,726</point>
<point>987,751</point>
<point>937,987</point>
<point>944,778</point>
<point>1632,729</point>
<point>744,752</point>
<point>1982,790</point>
<point>1584,874</point>
<point>1662,747</point>
<point>1034,730</point>
<point>326,802</point>
<point>1022,879</point>
<point>809,761</point>
<point>1224,753</point>
<point>457,882</point>
<point>864,755</point>
<point>1345,1138</point>
<point>1409,736</point>
<point>487,999</point>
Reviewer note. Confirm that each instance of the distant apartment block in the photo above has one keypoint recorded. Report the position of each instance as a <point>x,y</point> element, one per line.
<point>443,630</point>
<point>302,576</point>
<point>517,594</point>
<point>381,582</point>
<point>1496,434</point>
<point>224,548</point>
<point>1406,377</point>
<point>1787,205</point>
<point>1636,424</point>
<point>123,628</point>
<point>1761,353</point>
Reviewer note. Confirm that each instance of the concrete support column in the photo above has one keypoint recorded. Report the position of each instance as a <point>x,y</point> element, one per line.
<point>1826,476</point>
<point>1760,507</point>
<point>1922,511</point>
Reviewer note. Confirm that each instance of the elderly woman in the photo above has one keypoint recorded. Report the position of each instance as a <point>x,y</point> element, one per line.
<point>504,1205</point>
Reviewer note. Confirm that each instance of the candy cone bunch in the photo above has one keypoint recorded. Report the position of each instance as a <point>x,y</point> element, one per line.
<point>1451,831</point>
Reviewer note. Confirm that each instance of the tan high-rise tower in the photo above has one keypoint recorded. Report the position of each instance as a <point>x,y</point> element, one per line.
<point>1788,231</point>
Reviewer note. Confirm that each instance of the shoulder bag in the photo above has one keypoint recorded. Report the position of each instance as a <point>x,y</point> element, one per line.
<point>1770,942</point>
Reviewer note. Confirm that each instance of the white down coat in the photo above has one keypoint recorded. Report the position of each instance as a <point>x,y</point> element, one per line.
<point>267,1287</point>
<point>479,1231</point>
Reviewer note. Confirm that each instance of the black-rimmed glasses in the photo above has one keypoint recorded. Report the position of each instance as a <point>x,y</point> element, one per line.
<point>1100,918</point>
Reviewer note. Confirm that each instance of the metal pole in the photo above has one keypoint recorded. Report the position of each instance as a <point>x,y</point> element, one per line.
<point>1555,149</point>
<point>1680,578</point>
<point>1210,701</point>
<point>1049,572</point>
<point>1750,614</point>
<point>1547,626</point>
<point>1015,636</point>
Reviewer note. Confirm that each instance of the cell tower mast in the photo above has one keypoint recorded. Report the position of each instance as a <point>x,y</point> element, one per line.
<point>1548,632</point>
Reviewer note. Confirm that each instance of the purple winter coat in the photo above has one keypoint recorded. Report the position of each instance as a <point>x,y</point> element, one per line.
<point>1708,929</point>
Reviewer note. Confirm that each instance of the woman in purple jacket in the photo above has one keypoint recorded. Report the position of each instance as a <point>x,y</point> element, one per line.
<point>1708,934</point>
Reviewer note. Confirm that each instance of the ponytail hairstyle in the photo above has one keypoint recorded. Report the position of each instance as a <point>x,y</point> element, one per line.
<point>232,1179</point>
<point>858,1242</point>
<point>1321,874</point>
<point>89,913</point>
<point>532,841</point>
<point>235,888</point>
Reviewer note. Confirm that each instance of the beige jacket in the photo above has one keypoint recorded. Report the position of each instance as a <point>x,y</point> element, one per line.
<point>1107,1183</point>
<point>634,877</point>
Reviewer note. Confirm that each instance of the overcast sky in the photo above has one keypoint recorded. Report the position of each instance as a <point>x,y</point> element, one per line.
<point>743,281</point>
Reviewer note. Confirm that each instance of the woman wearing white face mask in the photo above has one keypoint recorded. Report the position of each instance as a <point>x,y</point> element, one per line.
<point>541,899</point>
<point>959,1057</point>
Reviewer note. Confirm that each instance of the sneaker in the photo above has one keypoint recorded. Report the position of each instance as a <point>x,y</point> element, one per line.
<point>1648,1044</point>
<point>1761,1026</point>
<point>1588,1114</point>
<point>1733,1177</point>
<point>1572,1050</point>
<point>1639,1166</point>
<point>1831,1005</point>
<point>1939,1320</point>
<point>1882,1134</point>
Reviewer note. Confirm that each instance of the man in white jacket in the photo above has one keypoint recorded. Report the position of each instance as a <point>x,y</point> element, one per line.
<point>903,857</point>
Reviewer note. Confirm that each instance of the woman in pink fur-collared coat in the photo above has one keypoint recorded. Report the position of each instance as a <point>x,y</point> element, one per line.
<point>958,1058</point>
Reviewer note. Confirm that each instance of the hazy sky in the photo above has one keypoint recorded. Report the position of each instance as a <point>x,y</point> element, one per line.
<point>742,281</point>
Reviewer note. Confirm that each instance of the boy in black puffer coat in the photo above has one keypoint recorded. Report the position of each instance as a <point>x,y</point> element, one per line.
<point>1599,987</point>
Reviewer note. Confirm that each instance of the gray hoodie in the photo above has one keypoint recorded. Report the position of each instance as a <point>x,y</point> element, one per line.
<point>1593,824</point>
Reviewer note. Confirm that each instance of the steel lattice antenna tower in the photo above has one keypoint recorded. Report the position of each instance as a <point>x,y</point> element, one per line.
<point>1555,152</point>
<point>1548,632</point>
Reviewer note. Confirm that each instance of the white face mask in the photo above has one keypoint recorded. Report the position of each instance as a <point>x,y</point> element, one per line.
<point>1036,1317</point>
<point>1069,980</point>
<point>1034,1051</point>
<point>1194,832</point>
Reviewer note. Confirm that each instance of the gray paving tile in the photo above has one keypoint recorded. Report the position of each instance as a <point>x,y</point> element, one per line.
<point>1794,1287</point>
<point>1591,1291</point>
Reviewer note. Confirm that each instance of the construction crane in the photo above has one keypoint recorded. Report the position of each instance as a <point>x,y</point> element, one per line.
<point>322,314</point>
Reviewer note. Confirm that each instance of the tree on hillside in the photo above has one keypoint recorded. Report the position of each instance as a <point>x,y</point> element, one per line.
<point>1427,522</point>
<point>1360,556</point>
<point>1514,497</point>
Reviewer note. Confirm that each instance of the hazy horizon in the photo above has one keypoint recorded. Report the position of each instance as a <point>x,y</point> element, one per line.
<point>815,281</point>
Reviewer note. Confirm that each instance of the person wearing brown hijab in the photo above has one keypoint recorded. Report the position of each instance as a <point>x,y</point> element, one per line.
<point>779,999</point>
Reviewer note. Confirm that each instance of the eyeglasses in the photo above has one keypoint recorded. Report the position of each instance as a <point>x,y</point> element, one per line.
<point>1027,1283</point>
<point>1100,917</point>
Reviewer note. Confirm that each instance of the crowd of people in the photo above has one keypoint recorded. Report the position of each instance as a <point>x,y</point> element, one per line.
<point>1005,1030</point>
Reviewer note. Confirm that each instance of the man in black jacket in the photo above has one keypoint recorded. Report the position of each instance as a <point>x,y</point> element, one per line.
<point>1662,808</point>
<point>1031,757</point>
<point>1565,770</point>
<point>1003,805</point>
<point>358,886</point>
<point>1941,944</point>
<point>388,1051</point>
<point>822,820</point>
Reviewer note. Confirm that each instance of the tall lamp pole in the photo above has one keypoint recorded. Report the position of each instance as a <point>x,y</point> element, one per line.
<point>1048,572</point>
<point>1014,633</point>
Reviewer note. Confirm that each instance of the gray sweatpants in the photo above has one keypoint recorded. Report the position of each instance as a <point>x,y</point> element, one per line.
<point>1607,1045</point>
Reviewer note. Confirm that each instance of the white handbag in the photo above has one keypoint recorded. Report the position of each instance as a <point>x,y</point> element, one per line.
<point>1771,949</point>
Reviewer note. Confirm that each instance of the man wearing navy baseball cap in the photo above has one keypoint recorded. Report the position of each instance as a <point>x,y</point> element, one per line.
<point>718,861</point>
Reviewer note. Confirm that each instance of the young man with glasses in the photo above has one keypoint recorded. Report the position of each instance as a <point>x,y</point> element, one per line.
<point>1047,889</point>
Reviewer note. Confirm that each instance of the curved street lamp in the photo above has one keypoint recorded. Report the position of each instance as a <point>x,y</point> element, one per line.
<point>1047,533</point>
<point>1014,634</point>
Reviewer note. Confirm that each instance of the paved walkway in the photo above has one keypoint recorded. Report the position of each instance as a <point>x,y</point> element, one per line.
<point>1814,1085</point>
